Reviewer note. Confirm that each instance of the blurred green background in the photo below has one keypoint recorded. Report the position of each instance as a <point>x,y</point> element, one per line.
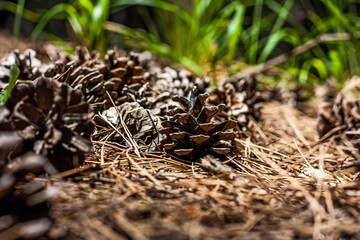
<point>207,36</point>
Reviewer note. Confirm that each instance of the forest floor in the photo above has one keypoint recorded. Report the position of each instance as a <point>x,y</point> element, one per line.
<point>291,186</point>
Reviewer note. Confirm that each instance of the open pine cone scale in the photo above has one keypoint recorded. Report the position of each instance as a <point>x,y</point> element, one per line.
<point>53,118</point>
<point>190,132</point>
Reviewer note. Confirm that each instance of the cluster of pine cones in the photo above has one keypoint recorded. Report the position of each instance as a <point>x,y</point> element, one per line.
<point>53,105</point>
<point>57,109</point>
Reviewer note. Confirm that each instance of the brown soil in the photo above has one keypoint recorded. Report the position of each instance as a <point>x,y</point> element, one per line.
<point>8,42</point>
<point>44,50</point>
<point>289,185</point>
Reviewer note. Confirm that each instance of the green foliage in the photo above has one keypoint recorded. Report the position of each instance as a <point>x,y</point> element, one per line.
<point>86,19</point>
<point>337,58</point>
<point>15,8</point>
<point>207,32</point>
<point>18,16</point>
<point>201,34</point>
<point>18,10</point>
<point>14,74</point>
<point>194,36</point>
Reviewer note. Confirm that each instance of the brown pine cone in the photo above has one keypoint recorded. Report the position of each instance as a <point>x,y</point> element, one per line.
<point>30,67</point>
<point>241,98</point>
<point>53,119</point>
<point>142,125</point>
<point>65,62</point>
<point>326,120</point>
<point>127,75</point>
<point>24,201</point>
<point>343,113</point>
<point>190,132</point>
<point>121,77</point>
<point>10,141</point>
<point>168,82</point>
<point>171,81</point>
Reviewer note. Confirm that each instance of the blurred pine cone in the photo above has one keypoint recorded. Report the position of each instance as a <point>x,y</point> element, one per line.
<point>53,119</point>
<point>127,74</point>
<point>342,112</point>
<point>121,77</point>
<point>10,141</point>
<point>168,82</point>
<point>190,132</point>
<point>24,201</point>
<point>240,98</point>
<point>30,67</point>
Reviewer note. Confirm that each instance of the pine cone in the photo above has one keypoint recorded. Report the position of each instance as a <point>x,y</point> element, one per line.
<point>142,125</point>
<point>241,98</point>
<point>342,112</point>
<point>126,73</point>
<point>30,67</point>
<point>53,120</point>
<point>326,120</point>
<point>65,62</point>
<point>24,201</point>
<point>168,82</point>
<point>294,97</point>
<point>10,141</point>
<point>172,81</point>
<point>121,77</point>
<point>190,132</point>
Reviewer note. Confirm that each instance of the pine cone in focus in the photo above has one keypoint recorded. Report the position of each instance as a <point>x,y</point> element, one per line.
<point>241,98</point>
<point>142,125</point>
<point>24,201</point>
<point>190,132</point>
<point>53,119</point>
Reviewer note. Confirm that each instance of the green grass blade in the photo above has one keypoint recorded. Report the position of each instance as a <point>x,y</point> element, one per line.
<point>139,38</point>
<point>271,44</point>
<point>71,13</point>
<point>336,65</point>
<point>255,31</point>
<point>315,63</point>
<point>277,7</point>
<point>234,31</point>
<point>163,5</point>
<point>61,43</point>
<point>12,7</point>
<point>276,34</point>
<point>14,74</point>
<point>87,5</point>
<point>340,16</point>
<point>283,14</point>
<point>99,17</point>
<point>192,66</point>
<point>18,16</point>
